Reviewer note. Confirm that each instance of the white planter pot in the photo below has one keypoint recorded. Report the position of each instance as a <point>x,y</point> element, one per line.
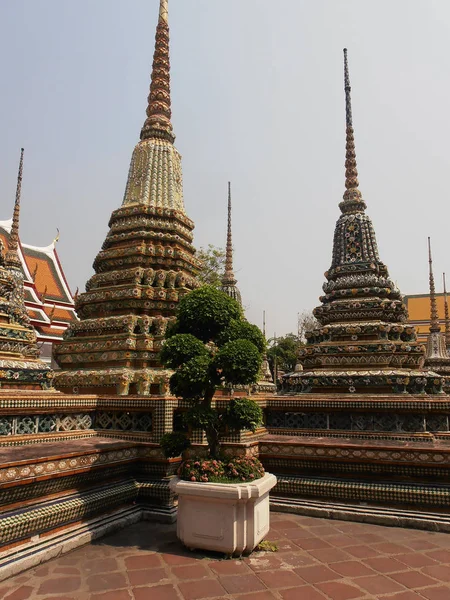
<point>225,517</point>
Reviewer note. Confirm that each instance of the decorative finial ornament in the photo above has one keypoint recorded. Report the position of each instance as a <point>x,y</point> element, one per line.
<point>229,281</point>
<point>158,123</point>
<point>353,201</point>
<point>447,319</point>
<point>434,318</point>
<point>12,257</point>
<point>229,275</point>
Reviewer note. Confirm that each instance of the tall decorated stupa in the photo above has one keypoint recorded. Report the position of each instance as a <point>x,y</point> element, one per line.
<point>146,264</point>
<point>229,281</point>
<point>363,344</point>
<point>436,357</point>
<point>20,365</point>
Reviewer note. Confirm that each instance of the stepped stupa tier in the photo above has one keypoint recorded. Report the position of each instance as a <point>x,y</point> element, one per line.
<point>20,365</point>
<point>363,343</point>
<point>436,357</point>
<point>146,264</point>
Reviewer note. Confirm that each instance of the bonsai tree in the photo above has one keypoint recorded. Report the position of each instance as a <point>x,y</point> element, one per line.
<point>211,345</point>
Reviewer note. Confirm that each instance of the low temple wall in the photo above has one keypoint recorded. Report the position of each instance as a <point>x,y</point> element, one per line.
<point>73,467</point>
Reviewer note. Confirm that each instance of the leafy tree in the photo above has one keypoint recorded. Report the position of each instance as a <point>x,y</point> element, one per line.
<point>285,351</point>
<point>213,344</point>
<point>213,265</point>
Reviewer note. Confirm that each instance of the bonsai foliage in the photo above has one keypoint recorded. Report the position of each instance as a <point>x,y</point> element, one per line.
<point>233,470</point>
<point>211,344</point>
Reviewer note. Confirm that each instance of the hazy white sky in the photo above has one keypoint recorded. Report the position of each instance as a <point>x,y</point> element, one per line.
<point>257,97</point>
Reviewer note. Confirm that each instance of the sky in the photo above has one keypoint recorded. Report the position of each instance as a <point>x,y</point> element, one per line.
<point>258,100</point>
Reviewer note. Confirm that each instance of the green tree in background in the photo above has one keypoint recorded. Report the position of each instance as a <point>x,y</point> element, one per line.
<point>213,260</point>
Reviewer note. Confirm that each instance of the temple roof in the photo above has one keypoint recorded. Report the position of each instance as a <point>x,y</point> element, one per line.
<point>48,298</point>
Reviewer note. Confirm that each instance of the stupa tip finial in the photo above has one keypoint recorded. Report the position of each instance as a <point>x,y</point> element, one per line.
<point>348,89</point>
<point>229,274</point>
<point>434,318</point>
<point>164,10</point>
<point>353,201</point>
<point>158,123</point>
<point>12,258</point>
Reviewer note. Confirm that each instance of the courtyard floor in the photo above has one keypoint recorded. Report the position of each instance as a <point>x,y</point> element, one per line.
<point>317,560</point>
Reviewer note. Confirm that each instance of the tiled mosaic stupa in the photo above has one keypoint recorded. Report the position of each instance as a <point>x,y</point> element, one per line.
<point>436,357</point>
<point>20,365</point>
<point>363,343</point>
<point>146,264</point>
<point>229,281</point>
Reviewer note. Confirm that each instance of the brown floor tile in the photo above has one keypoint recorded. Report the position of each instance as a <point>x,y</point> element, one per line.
<point>42,571</point>
<point>369,538</point>
<point>340,591</point>
<point>147,576</point>
<point>439,572</point>
<point>284,524</point>
<point>306,592</point>
<point>329,555</point>
<point>312,543</point>
<point>316,574</point>
<point>299,533</point>
<point>362,551</point>
<point>204,588</point>
<point>22,593</point>
<point>103,582</point>
<point>114,595</point>
<point>382,564</point>
<point>66,571</point>
<point>240,584</point>
<point>388,548</point>
<point>416,560</point>
<point>436,593</point>
<point>341,540</point>
<point>265,595</point>
<point>352,568</point>
<point>379,584</point>
<point>408,595</point>
<point>324,531</point>
<point>5,590</point>
<point>178,559</point>
<point>190,572</point>
<point>442,556</point>
<point>421,544</point>
<point>280,579</point>
<point>156,592</point>
<point>266,562</point>
<point>230,567</point>
<point>101,565</point>
<point>415,579</point>
<point>296,559</point>
<point>142,561</point>
<point>60,585</point>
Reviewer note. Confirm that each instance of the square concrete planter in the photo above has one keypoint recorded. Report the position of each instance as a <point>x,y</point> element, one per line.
<point>225,517</point>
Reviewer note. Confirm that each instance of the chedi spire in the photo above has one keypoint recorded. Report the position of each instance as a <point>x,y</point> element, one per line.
<point>229,281</point>
<point>12,257</point>
<point>434,317</point>
<point>158,123</point>
<point>353,201</point>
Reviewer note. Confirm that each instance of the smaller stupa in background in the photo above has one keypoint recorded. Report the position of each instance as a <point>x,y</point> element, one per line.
<point>20,365</point>
<point>436,357</point>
